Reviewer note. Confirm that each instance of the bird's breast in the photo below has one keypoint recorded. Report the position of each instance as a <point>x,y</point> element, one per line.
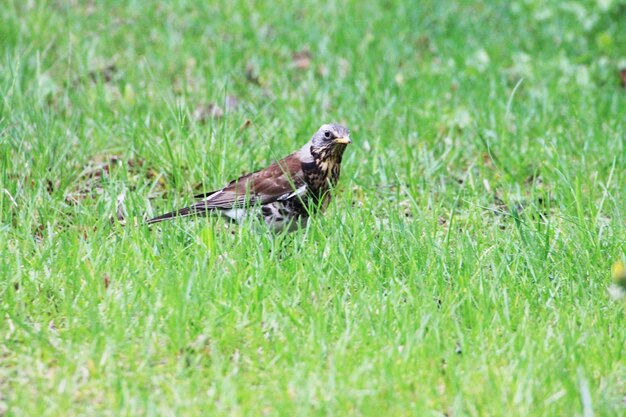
<point>321,174</point>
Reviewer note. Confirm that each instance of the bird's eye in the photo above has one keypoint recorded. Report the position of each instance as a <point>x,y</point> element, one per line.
<point>327,134</point>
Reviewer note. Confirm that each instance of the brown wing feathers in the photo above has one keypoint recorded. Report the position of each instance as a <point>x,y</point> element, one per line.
<point>263,187</point>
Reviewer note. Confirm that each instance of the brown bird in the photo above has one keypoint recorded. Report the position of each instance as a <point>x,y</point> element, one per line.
<point>285,193</point>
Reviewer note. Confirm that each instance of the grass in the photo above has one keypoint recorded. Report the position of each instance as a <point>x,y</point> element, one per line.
<point>462,269</point>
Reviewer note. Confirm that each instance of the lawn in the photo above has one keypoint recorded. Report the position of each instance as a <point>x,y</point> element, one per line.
<point>461,269</point>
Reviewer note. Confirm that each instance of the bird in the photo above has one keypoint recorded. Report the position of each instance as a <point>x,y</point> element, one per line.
<point>286,193</point>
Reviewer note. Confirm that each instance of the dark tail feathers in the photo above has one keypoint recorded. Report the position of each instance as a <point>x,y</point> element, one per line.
<point>187,211</point>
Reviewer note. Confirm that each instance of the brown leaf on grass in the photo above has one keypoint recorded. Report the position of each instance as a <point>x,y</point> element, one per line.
<point>487,160</point>
<point>301,59</point>
<point>622,77</point>
<point>245,125</point>
<point>107,281</point>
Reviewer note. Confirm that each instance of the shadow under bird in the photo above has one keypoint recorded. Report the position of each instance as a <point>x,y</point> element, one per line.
<point>285,193</point>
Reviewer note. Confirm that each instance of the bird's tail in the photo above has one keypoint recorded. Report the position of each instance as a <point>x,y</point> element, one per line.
<point>184,212</point>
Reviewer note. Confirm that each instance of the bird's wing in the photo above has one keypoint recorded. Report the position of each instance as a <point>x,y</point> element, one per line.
<point>276,182</point>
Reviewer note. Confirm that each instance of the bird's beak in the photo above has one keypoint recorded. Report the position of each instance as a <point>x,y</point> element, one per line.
<point>345,140</point>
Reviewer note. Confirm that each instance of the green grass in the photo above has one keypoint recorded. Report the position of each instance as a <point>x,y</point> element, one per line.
<point>462,269</point>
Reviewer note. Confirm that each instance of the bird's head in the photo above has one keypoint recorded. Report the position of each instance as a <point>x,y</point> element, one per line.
<point>330,139</point>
